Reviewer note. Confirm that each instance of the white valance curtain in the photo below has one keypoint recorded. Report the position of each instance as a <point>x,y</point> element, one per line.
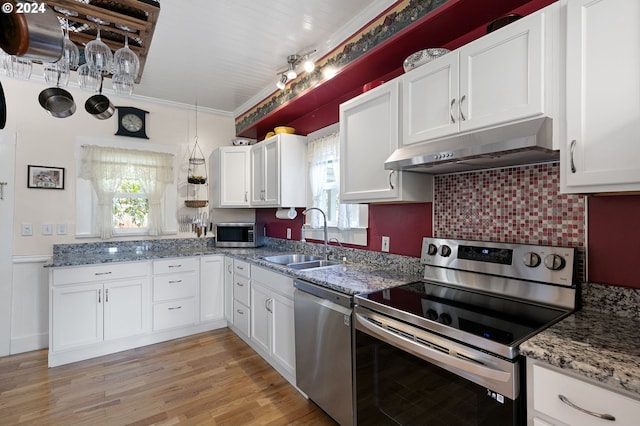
<point>324,153</point>
<point>105,167</point>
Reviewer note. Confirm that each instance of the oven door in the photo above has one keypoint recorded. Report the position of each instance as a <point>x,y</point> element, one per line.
<point>407,376</point>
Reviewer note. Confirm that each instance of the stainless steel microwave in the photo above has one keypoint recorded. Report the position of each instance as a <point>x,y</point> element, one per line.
<point>239,235</point>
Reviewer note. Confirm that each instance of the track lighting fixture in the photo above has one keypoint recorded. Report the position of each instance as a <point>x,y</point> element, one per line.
<point>292,62</point>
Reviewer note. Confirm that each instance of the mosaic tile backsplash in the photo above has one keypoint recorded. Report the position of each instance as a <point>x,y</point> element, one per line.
<point>516,204</point>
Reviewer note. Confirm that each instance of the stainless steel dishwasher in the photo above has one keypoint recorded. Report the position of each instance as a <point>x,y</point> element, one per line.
<point>323,349</point>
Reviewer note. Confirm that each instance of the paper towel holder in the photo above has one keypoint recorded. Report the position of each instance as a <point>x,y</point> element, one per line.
<point>284,213</point>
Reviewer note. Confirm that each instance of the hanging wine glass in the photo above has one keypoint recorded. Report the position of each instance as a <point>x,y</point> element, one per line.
<point>88,78</point>
<point>125,61</point>
<point>122,84</point>
<point>70,51</point>
<point>57,73</point>
<point>98,55</point>
<point>19,67</point>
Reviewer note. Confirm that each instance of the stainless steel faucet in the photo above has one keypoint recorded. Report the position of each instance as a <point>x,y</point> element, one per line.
<point>326,241</point>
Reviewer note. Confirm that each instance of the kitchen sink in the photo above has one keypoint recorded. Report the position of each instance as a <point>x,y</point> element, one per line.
<point>312,264</point>
<point>300,261</point>
<point>286,259</point>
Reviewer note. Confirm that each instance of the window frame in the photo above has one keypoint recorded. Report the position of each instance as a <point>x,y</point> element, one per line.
<point>86,200</point>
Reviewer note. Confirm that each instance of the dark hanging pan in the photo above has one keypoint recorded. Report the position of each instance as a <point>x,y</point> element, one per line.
<point>57,101</point>
<point>99,105</point>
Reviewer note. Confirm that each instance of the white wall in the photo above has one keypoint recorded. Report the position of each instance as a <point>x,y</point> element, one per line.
<point>46,141</point>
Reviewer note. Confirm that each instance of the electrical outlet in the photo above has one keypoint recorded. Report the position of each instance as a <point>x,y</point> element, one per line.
<point>288,233</point>
<point>385,244</point>
<point>27,229</point>
<point>47,229</point>
<point>61,229</point>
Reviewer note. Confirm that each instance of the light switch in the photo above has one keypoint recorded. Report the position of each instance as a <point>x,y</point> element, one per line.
<point>47,229</point>
<point>27,229</point>
<point>61,229</point>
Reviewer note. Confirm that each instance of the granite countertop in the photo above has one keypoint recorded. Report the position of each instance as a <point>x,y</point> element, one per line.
<point>350,278</point>
<point>596,345</point>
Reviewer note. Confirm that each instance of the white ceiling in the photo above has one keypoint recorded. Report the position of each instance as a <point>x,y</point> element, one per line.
<point>225,54</point>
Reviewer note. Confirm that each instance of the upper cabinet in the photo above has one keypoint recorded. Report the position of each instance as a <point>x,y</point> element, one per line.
<point>508,75</point>
<point>601,153</point>
<point>369,133</point>
<point>278,172</point>
<point>231,175</point>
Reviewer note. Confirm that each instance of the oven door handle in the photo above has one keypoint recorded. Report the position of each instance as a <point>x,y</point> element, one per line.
<point>434,355</point>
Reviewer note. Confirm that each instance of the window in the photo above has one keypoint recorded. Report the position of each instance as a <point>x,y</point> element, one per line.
<point>124,190</point>
<point>347,222</point>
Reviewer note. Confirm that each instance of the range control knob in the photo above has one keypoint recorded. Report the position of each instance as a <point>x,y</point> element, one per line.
<point>445,251</point>
<point>554,262</point>
<point>432,314</point>
<point>531,259</point>
<point>432,249</point>
<point>446,319</point>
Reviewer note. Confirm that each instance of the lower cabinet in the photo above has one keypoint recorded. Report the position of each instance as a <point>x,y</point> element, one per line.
<point>272,319</point>
<point>228,290</point>
<point>100,309</point>
<point>241,298</point>
<point>558,399</point>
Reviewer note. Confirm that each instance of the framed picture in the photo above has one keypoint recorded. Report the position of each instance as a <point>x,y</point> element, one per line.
<point>45,177</point>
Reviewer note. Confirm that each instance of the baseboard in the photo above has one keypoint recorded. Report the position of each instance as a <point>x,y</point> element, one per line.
<point>29,343</point>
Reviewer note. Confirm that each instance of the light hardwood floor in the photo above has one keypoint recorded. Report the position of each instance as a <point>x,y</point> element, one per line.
<point>211,378</point>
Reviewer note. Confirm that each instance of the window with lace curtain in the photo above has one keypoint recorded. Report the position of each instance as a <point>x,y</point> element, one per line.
<point>347,222</point>
<point>125,191</point>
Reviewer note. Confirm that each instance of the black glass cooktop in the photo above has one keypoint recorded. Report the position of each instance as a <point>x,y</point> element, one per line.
<point>497,319</point>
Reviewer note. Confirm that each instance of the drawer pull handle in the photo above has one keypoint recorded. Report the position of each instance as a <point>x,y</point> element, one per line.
<point>572,149</point>
<point>177,307</point>
<point>239,311</point>
<point>240,267</point>
<point>462,117</point>
<point>175,282</point>
<point>453,101</point>
<point>240,284</point>
<point>99,296</point>
<point>175,266</point>
<point>591,413</point>
<point>102,273</point>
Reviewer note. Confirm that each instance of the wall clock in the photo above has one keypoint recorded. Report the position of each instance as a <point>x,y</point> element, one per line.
<point>131,122</point>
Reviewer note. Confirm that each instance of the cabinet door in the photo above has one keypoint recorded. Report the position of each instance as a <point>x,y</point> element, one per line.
<point>77,316</point>
<point>234,173</point>
<point>272,172</point>
<point>429,100</point>
<point>257,174</point>
<point>501,75</point>
<point>260,316</point>
<point>283,333</point>
<point>211,288</point>
<point>228,289</point>
<point>369,133</point>
<point>603,106</point>
<point>126,308</point>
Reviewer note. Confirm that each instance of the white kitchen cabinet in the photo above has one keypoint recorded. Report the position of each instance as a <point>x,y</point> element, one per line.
<point>369,134</point>
<point>278,172</point>
<point>242,298</point>
<point>601,152</point>
<point>175,290</point>
<point>231,176</point>
<point>212,288</point>
<point>228,289</point>
<point>508,75</point>
<point>87,307</point>
<point>272,319</point>
<point>547,385</point>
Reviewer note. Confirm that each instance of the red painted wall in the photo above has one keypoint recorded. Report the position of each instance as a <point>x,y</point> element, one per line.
<point>614,240</point>
<point>404,224</point>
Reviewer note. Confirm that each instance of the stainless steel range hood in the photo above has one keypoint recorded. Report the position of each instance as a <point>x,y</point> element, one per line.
<point>512,144</point>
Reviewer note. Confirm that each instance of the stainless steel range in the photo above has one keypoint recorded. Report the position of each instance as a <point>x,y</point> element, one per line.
<point>445,350</point>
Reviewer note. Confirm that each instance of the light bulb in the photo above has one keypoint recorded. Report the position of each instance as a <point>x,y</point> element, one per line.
<point>291,74</point>
<point>309,66</point>
<point>283,80</point>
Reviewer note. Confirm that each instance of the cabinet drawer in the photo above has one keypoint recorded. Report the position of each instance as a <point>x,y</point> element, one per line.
<point>241,290</point>
<point>174,286</point>
<point>241,268</point>
<point>179,264</point>
<point>99,272</point>
<point>548,385</point>
<point>241,317</point>
<point>174,314</point>
<point>275,281</point>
